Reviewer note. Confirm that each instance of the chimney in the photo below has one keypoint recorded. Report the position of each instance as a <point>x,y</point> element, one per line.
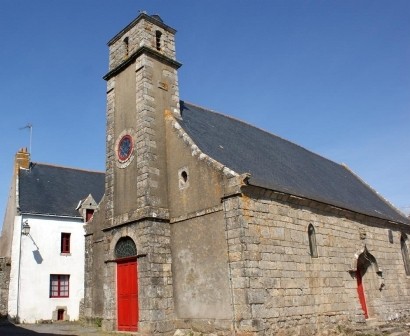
<point>22,160</point>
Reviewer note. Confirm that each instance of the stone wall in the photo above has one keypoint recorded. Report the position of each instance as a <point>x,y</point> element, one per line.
<point>155,296</point>
<point>276,282</point>
<point>141,33</point>
<point>5,265</point>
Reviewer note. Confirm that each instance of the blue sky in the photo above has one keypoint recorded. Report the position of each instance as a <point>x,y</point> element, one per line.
<point>331,76</point>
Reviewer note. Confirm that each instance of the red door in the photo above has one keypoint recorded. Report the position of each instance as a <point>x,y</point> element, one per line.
<point>127,295</point>
<point>360,291</point>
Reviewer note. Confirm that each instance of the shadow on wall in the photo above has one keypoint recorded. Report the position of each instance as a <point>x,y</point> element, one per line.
<point>37,256</point>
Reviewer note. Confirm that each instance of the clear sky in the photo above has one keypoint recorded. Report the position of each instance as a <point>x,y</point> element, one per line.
<point>331,76</point>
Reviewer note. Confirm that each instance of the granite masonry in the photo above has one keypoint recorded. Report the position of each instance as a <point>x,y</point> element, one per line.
<point>212,225</point>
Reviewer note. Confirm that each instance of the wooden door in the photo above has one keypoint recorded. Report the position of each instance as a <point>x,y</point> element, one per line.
<point>360,291</point>
<point>127,295</point>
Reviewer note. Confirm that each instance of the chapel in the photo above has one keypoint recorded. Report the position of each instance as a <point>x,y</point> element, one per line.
<point>210,224</point>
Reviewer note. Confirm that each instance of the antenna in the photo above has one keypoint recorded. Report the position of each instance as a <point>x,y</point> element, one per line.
<point>30,126</point>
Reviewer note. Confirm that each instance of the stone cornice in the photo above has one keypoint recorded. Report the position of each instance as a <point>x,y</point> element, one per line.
<point>146,213</point>
<point>143,50</point>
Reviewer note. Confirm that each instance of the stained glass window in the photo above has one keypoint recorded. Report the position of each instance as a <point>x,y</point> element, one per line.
<point>125,248</point>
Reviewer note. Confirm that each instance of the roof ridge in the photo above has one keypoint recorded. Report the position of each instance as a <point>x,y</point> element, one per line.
<point>66,167</point>
<point>262,130</point>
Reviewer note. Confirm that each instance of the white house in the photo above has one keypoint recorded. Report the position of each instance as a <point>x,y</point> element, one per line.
<point>43,236</point>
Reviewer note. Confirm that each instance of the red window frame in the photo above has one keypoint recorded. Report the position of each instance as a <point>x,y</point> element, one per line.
<point>65,242</point>
<point>59,285</point>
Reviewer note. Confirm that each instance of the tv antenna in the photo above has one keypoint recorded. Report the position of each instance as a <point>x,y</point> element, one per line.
<point>29,126</point>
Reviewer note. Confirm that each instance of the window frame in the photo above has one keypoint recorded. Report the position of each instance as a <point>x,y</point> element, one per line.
<point>59,286</point>
<point>65,246</point>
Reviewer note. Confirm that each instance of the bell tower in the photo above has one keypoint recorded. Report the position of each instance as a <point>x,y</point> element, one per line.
<point>142,86</point>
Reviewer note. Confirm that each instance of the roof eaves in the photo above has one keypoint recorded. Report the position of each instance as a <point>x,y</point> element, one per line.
<point>256,183</point>
<point>49,215</point>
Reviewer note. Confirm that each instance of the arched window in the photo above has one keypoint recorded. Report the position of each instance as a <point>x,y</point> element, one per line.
<point>405,253</point>
<point>126,45</point>
<point>158,35</point>
<point>312,241</point>
<point>125,248</point>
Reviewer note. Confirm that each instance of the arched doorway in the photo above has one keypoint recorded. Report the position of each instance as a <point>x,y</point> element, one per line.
<point>366,265</point>
<point>127,284</point>
<point>360,292</point>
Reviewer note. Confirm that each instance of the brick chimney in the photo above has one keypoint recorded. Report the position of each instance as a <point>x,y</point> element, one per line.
<point>22,160</point>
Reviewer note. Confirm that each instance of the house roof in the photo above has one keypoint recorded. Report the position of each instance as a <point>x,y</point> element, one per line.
<point>52,190</point>
<point>281,165</point>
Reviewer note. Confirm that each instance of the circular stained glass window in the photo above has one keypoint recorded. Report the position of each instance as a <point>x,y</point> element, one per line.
<point>125,248</point>
<point>125,147</point>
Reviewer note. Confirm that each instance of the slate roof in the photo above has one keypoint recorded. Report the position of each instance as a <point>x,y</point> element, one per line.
<point>52,190</point>
<point>280,165</point>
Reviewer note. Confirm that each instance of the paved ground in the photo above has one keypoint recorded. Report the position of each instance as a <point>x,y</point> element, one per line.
<point>59,328</point>
<point>371,328</point>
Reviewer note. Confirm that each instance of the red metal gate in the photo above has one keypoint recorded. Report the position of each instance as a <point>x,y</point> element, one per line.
<point>360,291</point>
<point>127,295</point>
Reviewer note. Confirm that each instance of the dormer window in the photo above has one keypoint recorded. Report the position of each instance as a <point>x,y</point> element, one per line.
<point>87,207</point>
<point>158,35</point>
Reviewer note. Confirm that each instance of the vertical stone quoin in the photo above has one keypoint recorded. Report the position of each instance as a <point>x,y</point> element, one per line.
<point>110,151</point>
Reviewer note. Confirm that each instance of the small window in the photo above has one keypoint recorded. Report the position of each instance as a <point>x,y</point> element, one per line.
<point>158,35</point>
<point>126,45</point>
<point>59,285</point>
<point>312,241</point>
<point>65,242</point>
<point>183,178</point>
<point>405,253</point>
<point>390,234</point>
<point>89,214</point>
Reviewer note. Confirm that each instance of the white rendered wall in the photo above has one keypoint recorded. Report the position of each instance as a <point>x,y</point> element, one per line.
<point>14,270</point>
<point>37,265</point>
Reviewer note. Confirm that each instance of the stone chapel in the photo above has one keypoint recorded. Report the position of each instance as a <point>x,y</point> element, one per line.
<point>210,224</point>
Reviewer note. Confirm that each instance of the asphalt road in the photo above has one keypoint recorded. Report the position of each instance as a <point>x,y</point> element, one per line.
<point>59,328</point>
